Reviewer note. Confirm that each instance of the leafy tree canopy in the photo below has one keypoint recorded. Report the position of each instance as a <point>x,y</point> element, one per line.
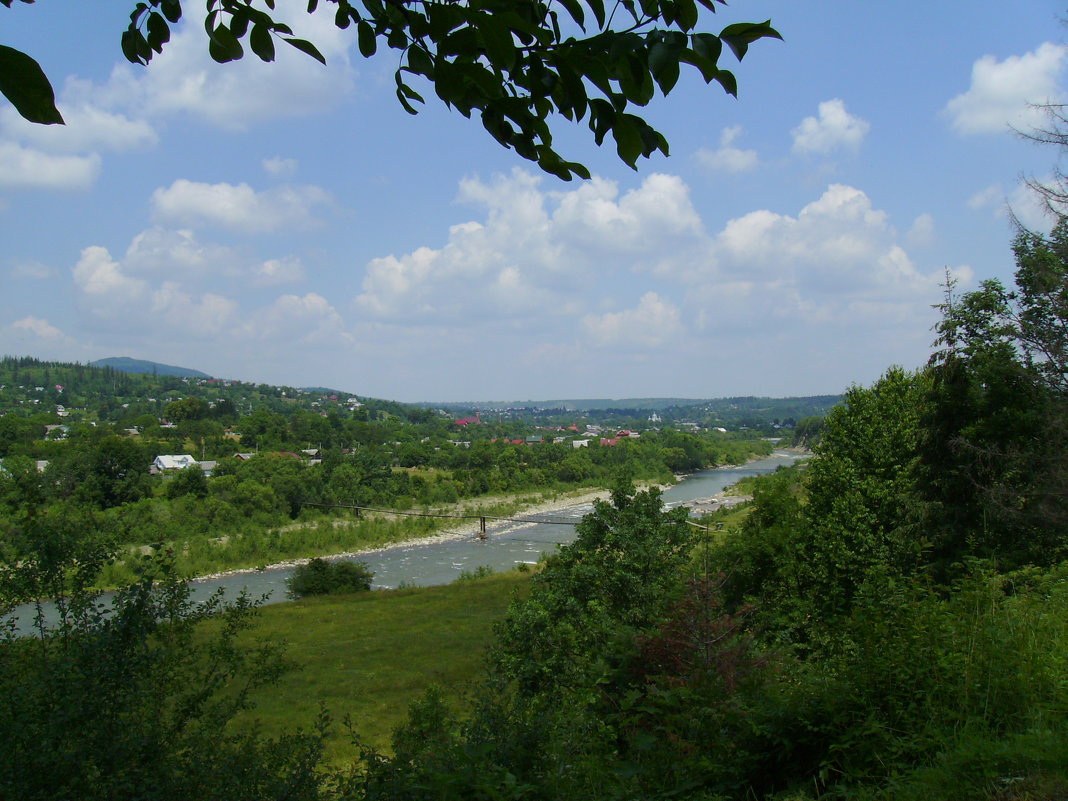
<point>514,63</point>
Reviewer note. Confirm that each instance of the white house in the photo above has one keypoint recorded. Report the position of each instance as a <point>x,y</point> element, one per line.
<point>173,462</point>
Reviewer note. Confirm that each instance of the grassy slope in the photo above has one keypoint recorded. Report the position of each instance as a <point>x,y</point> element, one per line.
<point>371,655</point>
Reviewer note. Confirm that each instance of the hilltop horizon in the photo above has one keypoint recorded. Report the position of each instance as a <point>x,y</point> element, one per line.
<point>132,365</point>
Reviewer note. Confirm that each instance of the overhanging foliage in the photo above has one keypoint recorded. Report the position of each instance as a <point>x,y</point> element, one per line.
<point>514,63</point>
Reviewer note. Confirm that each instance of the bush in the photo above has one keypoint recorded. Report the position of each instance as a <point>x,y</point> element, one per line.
<point>133,698</point>
<point>480,572</point>
<point>319,577</point>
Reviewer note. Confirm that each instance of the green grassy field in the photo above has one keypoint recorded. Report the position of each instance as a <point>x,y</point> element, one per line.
<point>370,655</point>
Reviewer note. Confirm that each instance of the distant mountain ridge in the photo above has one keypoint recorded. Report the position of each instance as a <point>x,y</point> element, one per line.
<point>125,364</point>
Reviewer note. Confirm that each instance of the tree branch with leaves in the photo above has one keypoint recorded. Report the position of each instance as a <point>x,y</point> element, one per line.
<point>516,64</point>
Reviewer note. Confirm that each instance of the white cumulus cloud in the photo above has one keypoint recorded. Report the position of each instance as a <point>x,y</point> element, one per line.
<point>27,168</point>
<point>534,252</point>
<point>992,196</point>
<point>130,303</point>
<point>287,270</point>
<point>642,219</point>
<point>280,167</point>
<point>104,284</point>
<point>837,256</point>
<point>39,328</point>
<point>307,319</point>
<point>653,322</point>
<point>1022,203</point>
<point>88,128</point>
<point>238,207</point>
<point>728,158</point>
<point>33,271</point>
<point>207,314</point>
<point>832,129</point>
<point>922,232</point>
<point>1001,92</point>
<point>177,254</point>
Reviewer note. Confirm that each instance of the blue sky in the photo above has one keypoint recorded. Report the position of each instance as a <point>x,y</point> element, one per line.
<point>289,223</point>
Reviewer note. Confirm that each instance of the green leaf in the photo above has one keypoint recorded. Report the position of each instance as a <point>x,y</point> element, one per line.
<point>497,40</point>
<point>574,90</point>
<point>728,82</point>
<point>597,7</point>
<point>239,23</point>
<point>23,82</point>
<point>404,102</point>
<point>420,62</point>
<point>687,14</point>
<point>574,8</point>
<point>224,46</point>
<point>498,127</point>
<point>129,45</point>
<point>740,35</point>
<point>651,138</point>
<point>664,64</point>
<point>635,82</point>
<point>410,93</point>
<point>707,68</point>
<point>443,18</point>
<point>652,8</point>
<point>601,116</point>
<point>158,32</point>
<point>668,76</point>
<point>707,46</point>
<point>218,52</point>
<point>366,37</point>
<point>307,47</point>
<point>261,42</point>
<point>628,139</point>
<point>172,10</point>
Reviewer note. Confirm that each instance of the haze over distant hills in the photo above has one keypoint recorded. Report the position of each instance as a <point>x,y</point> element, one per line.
<point>127,365</point>
<point>576,404</point>
<point>586,404</point>
<point>789,406</point>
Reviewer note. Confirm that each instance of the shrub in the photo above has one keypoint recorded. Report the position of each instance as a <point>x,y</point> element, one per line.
<point>319,577</point>
<point>480,572</point>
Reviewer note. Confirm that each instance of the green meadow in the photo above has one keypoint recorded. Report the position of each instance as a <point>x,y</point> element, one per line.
<point>369,655</point>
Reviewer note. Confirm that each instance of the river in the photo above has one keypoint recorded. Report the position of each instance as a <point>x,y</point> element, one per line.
<point>507,544</point>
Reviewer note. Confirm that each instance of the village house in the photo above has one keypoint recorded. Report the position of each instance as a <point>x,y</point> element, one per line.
<point>170,462</point>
